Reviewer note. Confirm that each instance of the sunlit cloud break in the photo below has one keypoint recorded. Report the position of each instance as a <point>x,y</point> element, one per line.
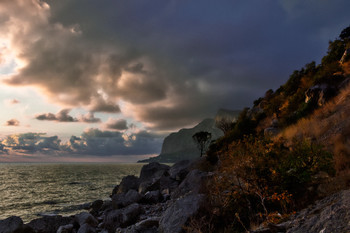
<point>92,142</point>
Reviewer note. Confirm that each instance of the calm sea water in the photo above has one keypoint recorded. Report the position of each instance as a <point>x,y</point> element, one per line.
<point>32,190</point>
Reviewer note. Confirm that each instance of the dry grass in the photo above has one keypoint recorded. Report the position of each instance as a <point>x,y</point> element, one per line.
<point>330,126</point>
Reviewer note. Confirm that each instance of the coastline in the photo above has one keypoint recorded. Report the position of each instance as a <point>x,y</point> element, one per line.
<point>137,204</point>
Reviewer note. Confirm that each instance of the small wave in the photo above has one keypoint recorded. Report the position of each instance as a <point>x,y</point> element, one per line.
<point>49,202</point>
<point>78,183</point>
<point>48,214</point>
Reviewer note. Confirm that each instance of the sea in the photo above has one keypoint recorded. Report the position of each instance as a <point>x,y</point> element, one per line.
<point>32,190</point>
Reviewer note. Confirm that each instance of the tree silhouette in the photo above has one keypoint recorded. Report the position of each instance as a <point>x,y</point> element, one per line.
<point>225,124</point>
<point>345,34</point>
<point>202,139</point>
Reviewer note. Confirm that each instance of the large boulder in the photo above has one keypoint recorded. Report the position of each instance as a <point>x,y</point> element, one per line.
<point>122,217</point>
<point>49,224</point>
<point>124,199</point>
<point>330,214</point>
<point>153,171</point>
<point>86,218</point>
<point>176,216</point>
<point>151,175</point>
<point>193,183</point>
<point>152,197</point>
<point>86,228</point>
<point>66,229</point>
<point>149,185</point>
<point>12,224</point>
<point>127,183</point>
<point>149,225</point>
<point>180,170</point>
<point>96,206</point>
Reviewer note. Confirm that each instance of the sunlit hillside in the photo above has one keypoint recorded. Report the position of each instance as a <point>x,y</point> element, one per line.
<point>329,126</point>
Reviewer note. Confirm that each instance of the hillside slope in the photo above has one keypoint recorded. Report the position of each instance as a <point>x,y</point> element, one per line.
<point>287,151</point>
<point>329,126</point>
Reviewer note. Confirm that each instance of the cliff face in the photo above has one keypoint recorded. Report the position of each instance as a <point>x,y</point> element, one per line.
<point>180,145</point>
<point>182,140</point>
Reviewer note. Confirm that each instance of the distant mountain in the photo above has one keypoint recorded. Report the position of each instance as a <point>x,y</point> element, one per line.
<point>180,145</point>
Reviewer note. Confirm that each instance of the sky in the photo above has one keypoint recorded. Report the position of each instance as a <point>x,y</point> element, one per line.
<point>106,81</point>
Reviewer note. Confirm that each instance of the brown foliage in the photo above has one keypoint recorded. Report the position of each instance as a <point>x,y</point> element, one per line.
<point>259,180</point>
<point>329,126</point>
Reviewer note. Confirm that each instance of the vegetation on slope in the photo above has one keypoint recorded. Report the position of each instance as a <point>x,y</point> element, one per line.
<point>259,179</point>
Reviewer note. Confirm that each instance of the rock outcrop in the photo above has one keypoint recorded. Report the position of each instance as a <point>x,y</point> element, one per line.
<point>11,225</point>
<point>329,215</point>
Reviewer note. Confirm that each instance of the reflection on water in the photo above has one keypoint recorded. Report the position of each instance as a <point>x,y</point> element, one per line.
<point>31,190</point>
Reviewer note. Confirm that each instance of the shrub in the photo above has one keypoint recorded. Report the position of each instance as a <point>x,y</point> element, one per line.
<point>258,178</point>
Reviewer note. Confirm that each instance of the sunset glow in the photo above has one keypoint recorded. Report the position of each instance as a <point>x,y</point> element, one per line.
<point>88,81</point>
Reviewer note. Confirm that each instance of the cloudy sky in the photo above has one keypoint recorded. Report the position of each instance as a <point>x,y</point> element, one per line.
<point>87,80</point>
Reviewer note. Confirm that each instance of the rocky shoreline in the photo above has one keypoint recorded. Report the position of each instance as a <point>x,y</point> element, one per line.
<point>161,199</point>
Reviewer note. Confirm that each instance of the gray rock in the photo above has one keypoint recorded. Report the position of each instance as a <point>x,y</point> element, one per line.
<point>329,215</point>
<point>125,199</point>
<point>180,170</point>
<point>12,224</point>
<point>319,94</point>
<point>107,204</point>
<point>149,185</point>
<point>86,228</point>
<point>115,190</point>
<point>153,176</point>
<point>96,206</point>
<point>176,216</point>
<point>149,225</point>
<point>86,218</point>
<point>65,229</point>
<point>271,131</point>
<point>166,182</point>
<point>193,183</point>
<point>127,183</point>
<point>49,224</point>
<point>122,217</point>
<point>153,171</point>
<point>152,197</point>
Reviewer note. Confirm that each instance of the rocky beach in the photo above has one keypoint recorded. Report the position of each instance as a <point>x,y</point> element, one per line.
<point>164,199</point>
<point>161,199</point>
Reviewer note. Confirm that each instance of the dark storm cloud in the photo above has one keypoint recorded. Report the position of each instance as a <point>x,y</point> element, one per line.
<point>116,124</point>
<point>108,143</point>
<point>172,62</point>
<point>30,143</point>
<point>61,116</point>
<point>12,122</point>
<point>92,142</point>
